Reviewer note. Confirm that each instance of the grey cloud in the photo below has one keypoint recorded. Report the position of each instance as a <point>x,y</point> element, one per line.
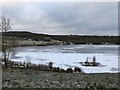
<point>64,18</point>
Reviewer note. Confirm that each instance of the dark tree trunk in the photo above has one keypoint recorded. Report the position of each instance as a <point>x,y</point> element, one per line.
<point>5,60</point>
<point>6,65</point>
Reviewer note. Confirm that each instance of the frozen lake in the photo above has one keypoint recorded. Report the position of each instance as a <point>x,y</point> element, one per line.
<point>65,56</point>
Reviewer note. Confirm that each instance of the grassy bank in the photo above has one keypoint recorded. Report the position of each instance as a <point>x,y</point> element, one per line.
<point>29,78</point>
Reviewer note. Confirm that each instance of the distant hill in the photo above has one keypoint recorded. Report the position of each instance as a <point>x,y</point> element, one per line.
<point>28,35</point>
<point>75,39</point>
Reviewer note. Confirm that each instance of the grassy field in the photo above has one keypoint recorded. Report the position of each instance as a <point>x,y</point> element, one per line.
<point>29,78</point>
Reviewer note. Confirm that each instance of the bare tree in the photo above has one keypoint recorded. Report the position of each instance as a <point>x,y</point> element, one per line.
<point>27,61</point>
<point>7,42</point>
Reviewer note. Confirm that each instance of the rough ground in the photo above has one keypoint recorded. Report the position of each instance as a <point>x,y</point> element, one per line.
<point>27,78</point>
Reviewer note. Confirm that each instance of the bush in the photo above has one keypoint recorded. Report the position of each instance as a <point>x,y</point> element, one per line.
<point>77,69</point>
<point>62,70</point>
<point>56,69</point>
<point>50,65</point>
<point>69,70</point>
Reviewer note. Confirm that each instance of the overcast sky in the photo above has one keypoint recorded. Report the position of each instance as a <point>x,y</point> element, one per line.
<point>87,18</point>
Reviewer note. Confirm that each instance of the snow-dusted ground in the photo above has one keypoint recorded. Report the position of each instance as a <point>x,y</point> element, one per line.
<point>65,56</point>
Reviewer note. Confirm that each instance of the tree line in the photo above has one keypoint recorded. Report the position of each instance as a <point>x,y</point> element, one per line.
<point>75,39</point>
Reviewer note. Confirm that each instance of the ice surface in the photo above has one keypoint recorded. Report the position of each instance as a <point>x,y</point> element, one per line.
<point>65,56</point>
